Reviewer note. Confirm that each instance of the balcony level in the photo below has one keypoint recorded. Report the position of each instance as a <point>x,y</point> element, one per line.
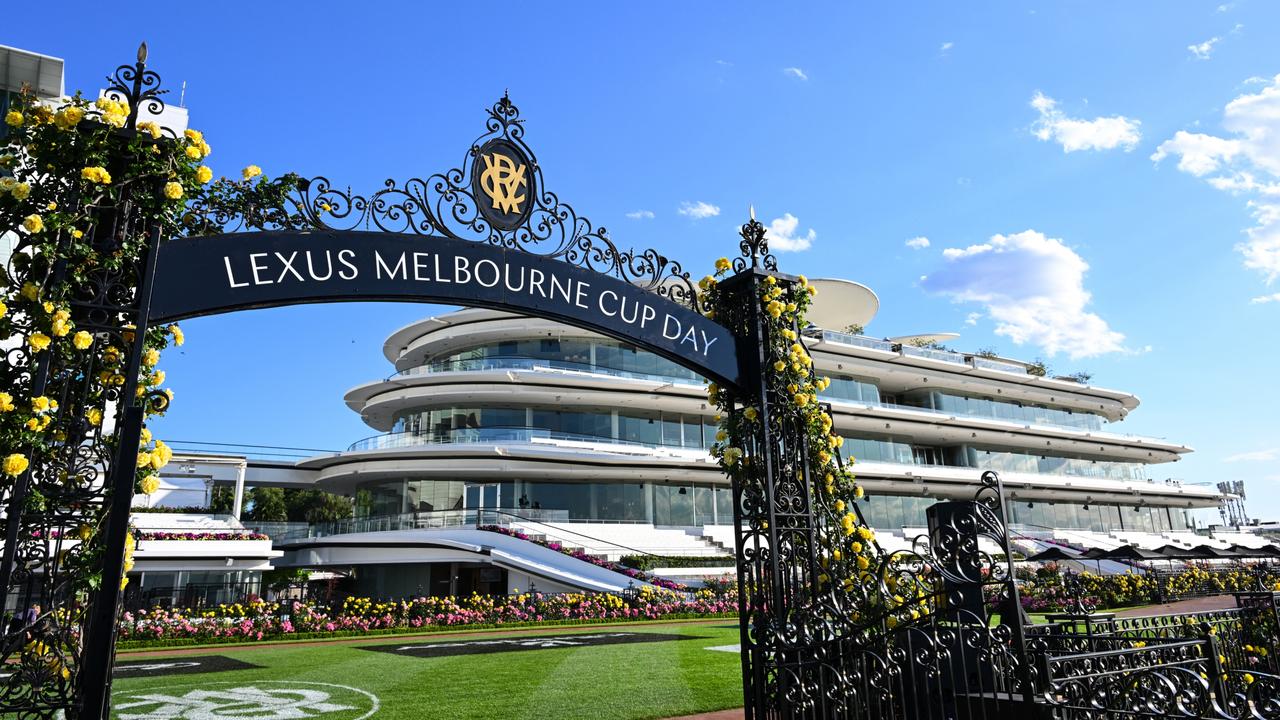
<point>538,383</point>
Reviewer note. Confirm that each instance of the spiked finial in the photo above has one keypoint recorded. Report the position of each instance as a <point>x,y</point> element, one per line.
<point>142,53</point>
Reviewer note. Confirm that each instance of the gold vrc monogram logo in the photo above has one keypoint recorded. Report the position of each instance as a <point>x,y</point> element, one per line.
<point>501,180</point>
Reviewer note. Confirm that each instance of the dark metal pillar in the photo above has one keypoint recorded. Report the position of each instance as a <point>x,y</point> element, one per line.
<point>100,632</point>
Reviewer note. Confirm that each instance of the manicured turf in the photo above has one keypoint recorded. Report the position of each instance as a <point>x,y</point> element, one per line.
<point>626,681</point>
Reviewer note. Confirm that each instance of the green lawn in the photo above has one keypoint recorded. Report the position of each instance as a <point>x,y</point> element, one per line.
<point>627,681</point>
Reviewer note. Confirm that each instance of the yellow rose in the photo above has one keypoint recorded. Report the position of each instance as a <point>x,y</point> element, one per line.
<point>150,128</point>
<point>144,459</point>
<point>33,223</point>
<point>149,484</point>
<point>4,309</point>
<point>150,357</point>
<point>82,340</point>
<point>13,118</point>
<point>95,416</point>
<point>6,402</point>
<point>38,341</point>
<point>251,172</point>
<point>193,152</point>
<point>60,327</point>
<point>161,455</point>
<point>68,117</point>
<point>178,337</point>
<point>193,135</point>
<point>173,190</point>
<point>39,404</point>
<point>15,464</point>
<point>96,174</point>
<point>722,264</point>
<point>20,191</point>
<point>204,174</point>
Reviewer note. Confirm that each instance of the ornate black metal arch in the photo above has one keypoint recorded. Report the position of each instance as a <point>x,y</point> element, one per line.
<point>447,205</point>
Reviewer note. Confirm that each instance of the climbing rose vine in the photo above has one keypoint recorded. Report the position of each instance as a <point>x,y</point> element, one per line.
<point>875,587</point>
<point>81,186</point>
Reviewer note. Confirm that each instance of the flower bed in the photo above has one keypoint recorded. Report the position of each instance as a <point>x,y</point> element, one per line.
<point>236,535</point>
<point>578,554</point>
<point>358,616</point>
<point>1044,591</point>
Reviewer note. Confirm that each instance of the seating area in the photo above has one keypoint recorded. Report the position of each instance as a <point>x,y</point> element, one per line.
<point>185,522</point>
<point>614,540</point>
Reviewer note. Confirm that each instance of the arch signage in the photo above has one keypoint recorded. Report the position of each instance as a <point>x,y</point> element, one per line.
<point>221,273</point>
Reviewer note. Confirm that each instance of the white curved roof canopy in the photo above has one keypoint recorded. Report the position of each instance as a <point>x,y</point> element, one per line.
<point>841,303</point>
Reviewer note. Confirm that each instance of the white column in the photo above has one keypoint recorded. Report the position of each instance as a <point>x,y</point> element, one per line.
<point>237,501</point>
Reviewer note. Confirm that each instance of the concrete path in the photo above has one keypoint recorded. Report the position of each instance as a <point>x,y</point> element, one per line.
<point>1200,604</point>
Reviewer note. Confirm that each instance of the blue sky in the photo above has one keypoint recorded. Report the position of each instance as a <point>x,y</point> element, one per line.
<point>1099,183</point>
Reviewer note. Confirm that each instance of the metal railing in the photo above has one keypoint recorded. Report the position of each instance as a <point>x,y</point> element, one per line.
<point>516,362</point>
<point>499,434</point>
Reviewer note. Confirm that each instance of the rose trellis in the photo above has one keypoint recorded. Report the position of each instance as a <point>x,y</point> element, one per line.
<point>87,188</point>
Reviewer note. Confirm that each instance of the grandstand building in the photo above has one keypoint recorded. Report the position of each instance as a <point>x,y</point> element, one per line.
<point>488,418</point>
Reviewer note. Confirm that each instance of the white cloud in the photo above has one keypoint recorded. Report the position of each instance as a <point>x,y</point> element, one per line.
<point>917,243</point>
<point>1100,133</point>
<point>1032,286</point>
<point>796,72</point>
<point>1198,153</point>
<point>972,318</point>
<point>946,46</point>
<point>698,210</point>
<point>1254,456</point>
<point>782,234</point>
<point>1244,162</point>
<point>1226,7</point>
<point>724,63</point>
<point>1204,50</point>
<point>641,215</point>
<point>1274,297</point>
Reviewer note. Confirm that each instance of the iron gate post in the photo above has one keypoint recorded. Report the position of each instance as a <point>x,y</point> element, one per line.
<point>100,633</point>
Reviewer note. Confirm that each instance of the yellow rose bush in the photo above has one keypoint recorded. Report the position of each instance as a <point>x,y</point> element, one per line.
<point>82,186</point>
<point>851,568</point>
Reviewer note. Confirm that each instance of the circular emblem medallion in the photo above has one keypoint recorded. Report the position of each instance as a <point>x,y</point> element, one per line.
<point>502,182</point>
<point>245,700</point>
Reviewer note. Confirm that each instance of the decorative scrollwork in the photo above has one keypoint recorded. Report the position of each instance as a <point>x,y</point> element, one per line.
<point>137,86</point>
<point>446,204</point>
<point>754,247</point>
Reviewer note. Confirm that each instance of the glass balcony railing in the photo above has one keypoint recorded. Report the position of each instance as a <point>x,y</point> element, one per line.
<point>932,354</point>
<point>989,364</point>
<point>528,363</point>
<point>856,340</point>
<point>499,435</point>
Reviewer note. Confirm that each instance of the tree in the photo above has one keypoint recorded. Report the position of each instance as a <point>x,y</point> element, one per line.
<point>267,504</point>
<point>221,500</point>
<point>316,506</point>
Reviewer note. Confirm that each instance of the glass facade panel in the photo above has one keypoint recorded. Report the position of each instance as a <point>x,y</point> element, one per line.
<point>673,505</point>
<point>582,354</point>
